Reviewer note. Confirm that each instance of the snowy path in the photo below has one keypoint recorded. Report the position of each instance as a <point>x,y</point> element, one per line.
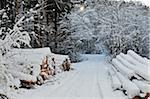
<point>89,80</point>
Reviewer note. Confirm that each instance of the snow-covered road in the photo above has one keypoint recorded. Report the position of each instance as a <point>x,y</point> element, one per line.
<point>89,80</point>
<point>84,83</point>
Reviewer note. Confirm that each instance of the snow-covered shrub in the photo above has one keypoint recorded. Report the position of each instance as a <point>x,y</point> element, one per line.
<point>74,56</point>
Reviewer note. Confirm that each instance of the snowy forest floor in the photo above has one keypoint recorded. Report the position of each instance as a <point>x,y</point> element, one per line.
<point>88,80</point>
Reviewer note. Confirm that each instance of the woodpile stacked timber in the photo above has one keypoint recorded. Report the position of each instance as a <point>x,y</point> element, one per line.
<point>130,73</point>
<point>46,72</point>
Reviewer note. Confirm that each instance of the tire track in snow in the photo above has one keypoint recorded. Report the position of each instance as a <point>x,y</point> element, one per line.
<point>98,82</point>
<point>69,88</point>
<point>87,82</point>
<point>62,90</point>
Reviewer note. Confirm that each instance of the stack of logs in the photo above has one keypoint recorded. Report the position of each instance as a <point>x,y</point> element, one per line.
<point>129,74</point>
<point>45,72</point>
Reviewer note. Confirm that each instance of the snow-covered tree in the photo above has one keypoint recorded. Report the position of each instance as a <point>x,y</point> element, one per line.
<point>17,37</point>
<point>117,26</point>
<point>81,28</point>
<point>119,21</point>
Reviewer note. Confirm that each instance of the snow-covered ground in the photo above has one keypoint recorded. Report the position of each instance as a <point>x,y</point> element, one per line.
<point>88,80</point>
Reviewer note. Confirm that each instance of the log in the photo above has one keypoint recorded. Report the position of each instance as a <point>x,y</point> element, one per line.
<point>115,83</point>
<point>137,57</point>
<point>143,86</point>
<point>131,88</point>
<point>143,72</point>
<point>123,69</point>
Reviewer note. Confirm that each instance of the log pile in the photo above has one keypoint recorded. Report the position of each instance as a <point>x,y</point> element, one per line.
<point>130,73</point>
<point>46,72</point>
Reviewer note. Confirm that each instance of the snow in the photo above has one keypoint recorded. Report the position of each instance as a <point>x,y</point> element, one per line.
<point>116,84</point>
<point>131,65</point>
<point>24,59</point>
<point>146,2</point>
<point>23,76</point>
<point>24,64</point>
<point>5,16</point>
<point>117,25</point>
<point>36,55</point>
<point>31,18</point>
<point>140,59</point>
<point>37,5</point>
<point>130,87</point>
<point>58,58</point>
<point>92,78</point>
<point>88,80</point>
<point>33,11</point>
<point>1,11</point>
<point>144,87</point>
<point>142,71</point>
<point>122,68</point>
<point>27,60</point>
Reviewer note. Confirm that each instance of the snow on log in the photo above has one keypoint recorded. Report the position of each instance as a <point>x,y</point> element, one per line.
<point>23,76</point>
<point>59,58</point>
<point>124,61</point>
<point>143,72</point>
<point>115,83</point>
<point>28,57</point>
<point>138,58</point>
<point>131,88</point>
<point>111,71</point>
<point>114,69</point>
<point>143,86</point>
<point>124,70</point>
<point>127,64</point>
<point>134,61</point>
<point>138,77</point>
<point>128,58</point>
